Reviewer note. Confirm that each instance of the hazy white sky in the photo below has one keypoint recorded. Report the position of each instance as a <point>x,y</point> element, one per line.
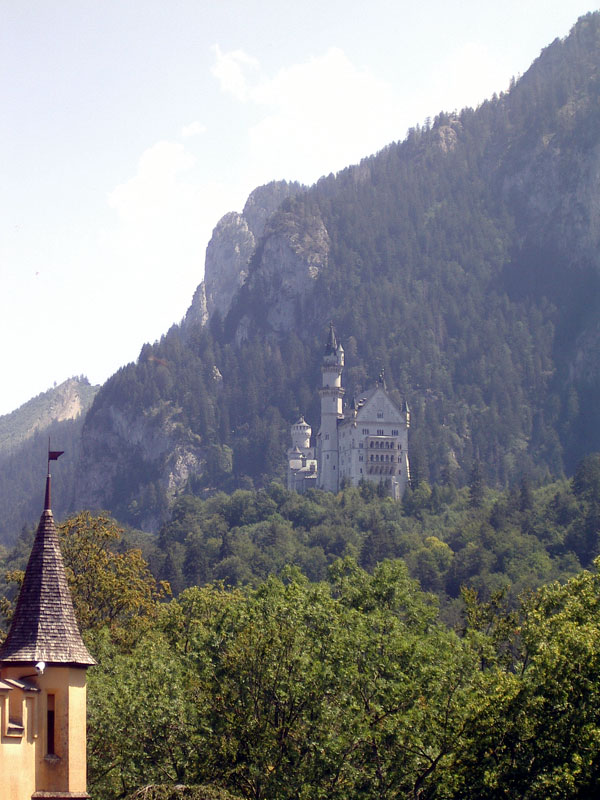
<point>129,127</point>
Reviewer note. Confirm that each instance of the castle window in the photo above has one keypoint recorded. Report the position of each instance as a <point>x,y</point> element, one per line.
<point>360,458</point>
<point>360,445</point>
<point>50,743</point>
<point>327,436</point>
<point>365,431</point>
<point>14,724</point>
<point>394,433</point>
<point>379,431</point>
<point>380,415</point>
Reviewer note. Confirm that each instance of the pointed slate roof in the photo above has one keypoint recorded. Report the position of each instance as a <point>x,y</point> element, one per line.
<point>44,627</point>
<point>331,346</point>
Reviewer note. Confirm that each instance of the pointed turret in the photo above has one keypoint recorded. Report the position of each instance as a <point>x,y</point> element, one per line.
<point>44,627</point>
<point>331,345</point>
<point>43,664</point>
<point>331,393</point>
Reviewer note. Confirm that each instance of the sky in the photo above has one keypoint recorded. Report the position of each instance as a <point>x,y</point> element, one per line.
<point>129,127</point>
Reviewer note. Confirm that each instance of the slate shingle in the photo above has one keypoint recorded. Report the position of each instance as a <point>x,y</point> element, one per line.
<point>44,627</point>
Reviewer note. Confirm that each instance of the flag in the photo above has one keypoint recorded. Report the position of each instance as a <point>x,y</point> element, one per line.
<point>53,455</point>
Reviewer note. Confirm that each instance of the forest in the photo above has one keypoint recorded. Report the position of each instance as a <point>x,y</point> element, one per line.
<point>332,667</point>
<point>463,261</point>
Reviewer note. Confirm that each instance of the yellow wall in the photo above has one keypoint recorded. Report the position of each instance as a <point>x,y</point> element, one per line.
<point>17,753</point>
<point>25,766</point>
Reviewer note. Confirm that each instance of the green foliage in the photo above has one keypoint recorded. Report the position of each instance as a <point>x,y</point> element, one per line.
<point>519,538</point>
<point>165,792</point>
<point>536,734</point>
<point>111,586</point>
<point>288,690</point>
<point>352,689</point>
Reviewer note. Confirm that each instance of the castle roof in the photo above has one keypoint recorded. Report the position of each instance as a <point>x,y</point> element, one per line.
<point>44,627</point>
<point>331,346</point>
<point>361,402</point>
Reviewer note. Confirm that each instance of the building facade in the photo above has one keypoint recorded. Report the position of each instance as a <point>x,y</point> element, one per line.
<point>367,440</point>
<point>43,663</point>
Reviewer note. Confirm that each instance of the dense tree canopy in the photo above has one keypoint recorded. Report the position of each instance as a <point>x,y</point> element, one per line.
<point>355,684</point>
<point>354,688</point>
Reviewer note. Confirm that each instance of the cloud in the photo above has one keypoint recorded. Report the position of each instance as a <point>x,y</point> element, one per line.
<point>163,218</point>
<point>155,189</point>
<point>195,128</point>
<point>156,233</point>
<point>315,117</point>
<point>467,77</point>
<point>229,69</point>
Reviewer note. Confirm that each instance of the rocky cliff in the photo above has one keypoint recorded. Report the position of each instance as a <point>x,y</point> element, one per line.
<point>146,457</point>
<point>232,246</point>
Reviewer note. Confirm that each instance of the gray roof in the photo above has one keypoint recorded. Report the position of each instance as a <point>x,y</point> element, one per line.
<point>331,346</point>
<point>44,627</point>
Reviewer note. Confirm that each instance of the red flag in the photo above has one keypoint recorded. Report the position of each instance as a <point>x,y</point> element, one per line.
<point>53,455</point>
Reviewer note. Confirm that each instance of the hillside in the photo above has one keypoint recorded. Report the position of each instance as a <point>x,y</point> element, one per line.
<point>57,414</point>
<point>464,260</point>
<point>66,401</point>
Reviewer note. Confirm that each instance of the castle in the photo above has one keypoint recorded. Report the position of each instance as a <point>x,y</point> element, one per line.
<point>368,441</point>
<point>43,663</point>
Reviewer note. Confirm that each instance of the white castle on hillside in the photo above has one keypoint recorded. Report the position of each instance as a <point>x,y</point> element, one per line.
<point>367,442</point>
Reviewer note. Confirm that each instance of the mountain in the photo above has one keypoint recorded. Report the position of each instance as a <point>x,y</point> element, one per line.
<point>464,260</point>
<point>56,415</point>
<point>66,401</point>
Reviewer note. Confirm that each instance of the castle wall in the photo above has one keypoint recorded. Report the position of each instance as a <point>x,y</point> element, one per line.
<point>17,751</point>
<point>30,762</point>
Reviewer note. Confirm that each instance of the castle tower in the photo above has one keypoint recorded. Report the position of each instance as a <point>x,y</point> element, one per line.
<point>301,432</point>
<point>43,664</point>
<point>302,465</point>
<point>331,394</point>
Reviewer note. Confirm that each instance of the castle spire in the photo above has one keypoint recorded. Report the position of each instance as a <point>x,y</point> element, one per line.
<point>53,455</point>
<point>331,346</point>
<point>44,627</point>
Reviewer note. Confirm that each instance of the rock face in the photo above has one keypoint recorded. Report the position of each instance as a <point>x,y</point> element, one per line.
<point>230,249</point>
<point>119,444</point>
<point>227,257</point>
<point>294,251</point>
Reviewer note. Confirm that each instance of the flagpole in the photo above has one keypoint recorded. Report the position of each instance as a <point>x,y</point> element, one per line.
<point>53,455</point>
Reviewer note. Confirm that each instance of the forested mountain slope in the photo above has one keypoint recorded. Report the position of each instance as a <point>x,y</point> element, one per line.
<point>57,415</point>
<point>463,260</point>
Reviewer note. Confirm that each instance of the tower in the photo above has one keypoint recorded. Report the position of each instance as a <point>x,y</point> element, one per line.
<point>43,664</point>
<point>302,465</point>
<point>331,394</point>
